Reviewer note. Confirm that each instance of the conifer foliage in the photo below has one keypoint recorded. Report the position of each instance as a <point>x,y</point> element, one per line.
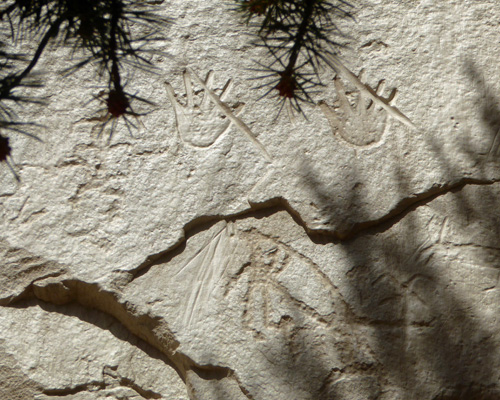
<point>98,31</point>
<point>297,34</point>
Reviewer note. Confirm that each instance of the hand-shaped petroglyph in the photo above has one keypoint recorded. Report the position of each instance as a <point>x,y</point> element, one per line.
<point>363,123</point>
<point>343,71</point>
<point>202,124</point>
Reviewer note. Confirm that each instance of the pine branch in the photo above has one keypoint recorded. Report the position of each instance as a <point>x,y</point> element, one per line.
<point>99,29</point>
<point>297,35</point>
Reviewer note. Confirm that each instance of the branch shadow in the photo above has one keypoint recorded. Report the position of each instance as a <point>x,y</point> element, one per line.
<point>421,291</point>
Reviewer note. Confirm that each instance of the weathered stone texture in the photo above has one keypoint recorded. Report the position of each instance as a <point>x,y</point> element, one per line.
<point>360,262</point>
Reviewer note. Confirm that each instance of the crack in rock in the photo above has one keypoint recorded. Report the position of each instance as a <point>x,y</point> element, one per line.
<point>51,285</point>
<point>408,205</point>
<point>87,387</point>
<point>150,329</point>
<point>318,236</point>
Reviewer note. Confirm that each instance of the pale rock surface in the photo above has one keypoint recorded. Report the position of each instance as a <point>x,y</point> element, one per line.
<point>360,263</point>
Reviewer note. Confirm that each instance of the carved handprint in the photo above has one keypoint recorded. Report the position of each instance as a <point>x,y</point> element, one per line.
<point>363,123</point>
<point>200,123</point>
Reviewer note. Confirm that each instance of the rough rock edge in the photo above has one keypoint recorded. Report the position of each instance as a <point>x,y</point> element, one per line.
<point>94,386</point>
<point>319,236</point>
<point>152,330</point>
<point>60,289</point>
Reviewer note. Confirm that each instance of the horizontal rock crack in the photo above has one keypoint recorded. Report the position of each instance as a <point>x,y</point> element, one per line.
<point>318,236</point>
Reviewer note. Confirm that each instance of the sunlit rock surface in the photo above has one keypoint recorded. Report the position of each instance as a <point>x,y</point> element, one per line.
<point>230,252</point>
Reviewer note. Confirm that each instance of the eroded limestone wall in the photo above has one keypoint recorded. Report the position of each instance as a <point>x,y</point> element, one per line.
<point>227,252</point>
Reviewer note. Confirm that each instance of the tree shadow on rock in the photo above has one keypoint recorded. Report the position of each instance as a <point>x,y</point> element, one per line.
<point>421,294</point>
<point>489,105</point>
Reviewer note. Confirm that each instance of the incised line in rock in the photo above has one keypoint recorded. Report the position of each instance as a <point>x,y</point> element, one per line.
<point>341,69</point>
<point>207,267</point>
<point>237,121</point>
<point>200,124</point>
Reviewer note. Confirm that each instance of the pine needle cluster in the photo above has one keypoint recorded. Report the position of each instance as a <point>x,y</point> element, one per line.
<point>97,31</point>
<point>297,35</point>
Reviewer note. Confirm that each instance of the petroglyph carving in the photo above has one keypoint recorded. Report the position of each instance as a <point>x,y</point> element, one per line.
<point>206,271</point>
<point>356,118</point>
<point>495,145</point>
<point>410,296</point>
<point>237,265</point>
<point>202,123</point>
<point>367,91</point>
<point>272,294</point>
<point>264,294</point>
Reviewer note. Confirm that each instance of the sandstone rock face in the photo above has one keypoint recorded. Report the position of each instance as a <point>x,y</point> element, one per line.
<point>228,252</point>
